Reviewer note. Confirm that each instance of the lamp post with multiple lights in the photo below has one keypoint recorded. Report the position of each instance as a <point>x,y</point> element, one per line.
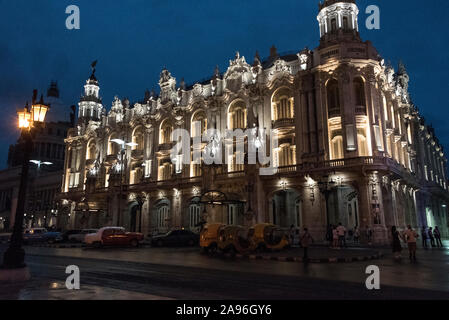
<point>28,119</point>
<point>326,188</point>
<point>123,146</point>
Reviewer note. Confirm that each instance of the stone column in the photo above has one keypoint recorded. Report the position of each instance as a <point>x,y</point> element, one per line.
<point>348,122</point>
<point>305,124</point>
<point>312,123</point>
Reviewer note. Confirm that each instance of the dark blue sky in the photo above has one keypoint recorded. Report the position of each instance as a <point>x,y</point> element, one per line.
<point>134,39</point>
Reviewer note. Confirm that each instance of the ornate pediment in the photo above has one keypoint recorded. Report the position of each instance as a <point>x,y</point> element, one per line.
<point>238,74</point>
<point>280,69</point>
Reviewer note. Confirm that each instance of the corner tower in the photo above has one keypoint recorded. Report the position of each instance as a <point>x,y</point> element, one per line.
<point>338,21</point>
<point>90,105</point>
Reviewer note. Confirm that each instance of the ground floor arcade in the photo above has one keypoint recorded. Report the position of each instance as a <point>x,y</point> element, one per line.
<point>374,199</point>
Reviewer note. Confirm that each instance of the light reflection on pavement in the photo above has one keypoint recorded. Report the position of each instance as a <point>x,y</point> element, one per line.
<point>430,272</point>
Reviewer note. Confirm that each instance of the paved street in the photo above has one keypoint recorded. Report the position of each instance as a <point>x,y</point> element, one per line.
<point>183,273</point>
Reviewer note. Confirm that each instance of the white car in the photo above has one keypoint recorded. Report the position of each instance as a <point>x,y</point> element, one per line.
<point>79,237</point>
<point>113,236</point>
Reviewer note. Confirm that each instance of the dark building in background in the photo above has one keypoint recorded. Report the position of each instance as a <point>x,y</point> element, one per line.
<point>45,179</point>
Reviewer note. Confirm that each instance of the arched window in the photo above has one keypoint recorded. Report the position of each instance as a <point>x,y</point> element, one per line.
<point>199,124</point>
<point>337,148</point>
<point>165,135</point>
<point>92,151</point>
<point>282,106</point>
<point>362,145</point>
<point>194,215</point>
<point>333,98</point>
<point>359,93</point>
<point>345,23</point>
<point>237,115</point>
<point>286,155</point>
<point>138,139</point>
<point>163,213</point>
<point>334,25</point>
<point>113,148</point>
<point>165,169</point>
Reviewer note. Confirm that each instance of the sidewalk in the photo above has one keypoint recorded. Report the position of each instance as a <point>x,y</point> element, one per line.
<point>47,290</point>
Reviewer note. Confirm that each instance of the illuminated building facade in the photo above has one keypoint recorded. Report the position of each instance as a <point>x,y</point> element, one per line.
<point>352,147</point>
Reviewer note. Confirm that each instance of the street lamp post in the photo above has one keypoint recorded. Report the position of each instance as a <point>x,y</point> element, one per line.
<point>325,187</point>
<point>14,257</point>
<point>123,146</point>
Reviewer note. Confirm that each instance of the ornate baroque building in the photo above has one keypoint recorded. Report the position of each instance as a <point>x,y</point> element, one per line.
<point>352,146</point>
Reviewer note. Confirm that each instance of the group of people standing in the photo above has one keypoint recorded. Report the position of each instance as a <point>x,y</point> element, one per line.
<point>410,236</point>
<point>431,235</point>
<point>337,235</point>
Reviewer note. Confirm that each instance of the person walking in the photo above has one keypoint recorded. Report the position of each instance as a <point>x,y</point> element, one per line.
<point>437,235</point>
<point>410,237</point>
<point>356,235</point>
<point>396,243</point>
<point>431,238</point>
<point>306,239</point>
<point>424,237</point>
<point>341,235</point>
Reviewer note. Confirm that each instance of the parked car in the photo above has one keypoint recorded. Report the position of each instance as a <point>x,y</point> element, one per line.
<point>209,237</point>
<point>113,236</point>
<point>41,235</point>
<point>80,235</point>
<point>68,233</point>
<point>176,238</point>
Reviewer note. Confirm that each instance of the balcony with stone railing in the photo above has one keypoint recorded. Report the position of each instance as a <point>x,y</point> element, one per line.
<point>281,123</point>
<point>165,146</point>
<point>369,163</point>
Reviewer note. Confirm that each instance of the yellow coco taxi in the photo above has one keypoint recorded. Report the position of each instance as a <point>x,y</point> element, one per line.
<point>267,236</point>
<point>209,237</point>
<point>234,239</point>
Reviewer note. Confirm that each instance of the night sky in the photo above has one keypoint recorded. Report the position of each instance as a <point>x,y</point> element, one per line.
<point>134,39</point>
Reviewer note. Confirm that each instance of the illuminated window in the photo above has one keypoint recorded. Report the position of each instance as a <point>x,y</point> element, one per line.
<point>362,145</point>
<point>138,139</point>
<point>282,105</point>
<point>337,148</point>
<point>113,148</point>
<point>237,116</point>
<point>199,124</point>
<point>166,131</point>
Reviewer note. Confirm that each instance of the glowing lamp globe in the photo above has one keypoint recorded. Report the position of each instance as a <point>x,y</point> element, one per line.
<point>24,119</point>
<point>39,111</point>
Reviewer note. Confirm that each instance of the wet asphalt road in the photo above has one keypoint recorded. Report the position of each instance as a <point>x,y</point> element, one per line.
<point>183,273</point>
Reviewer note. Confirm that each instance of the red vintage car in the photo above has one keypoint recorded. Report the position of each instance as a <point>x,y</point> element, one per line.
<point>113,236</point>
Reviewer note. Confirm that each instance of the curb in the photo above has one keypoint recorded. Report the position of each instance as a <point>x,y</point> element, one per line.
<point>57,246</point>
<point>377,256</point>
